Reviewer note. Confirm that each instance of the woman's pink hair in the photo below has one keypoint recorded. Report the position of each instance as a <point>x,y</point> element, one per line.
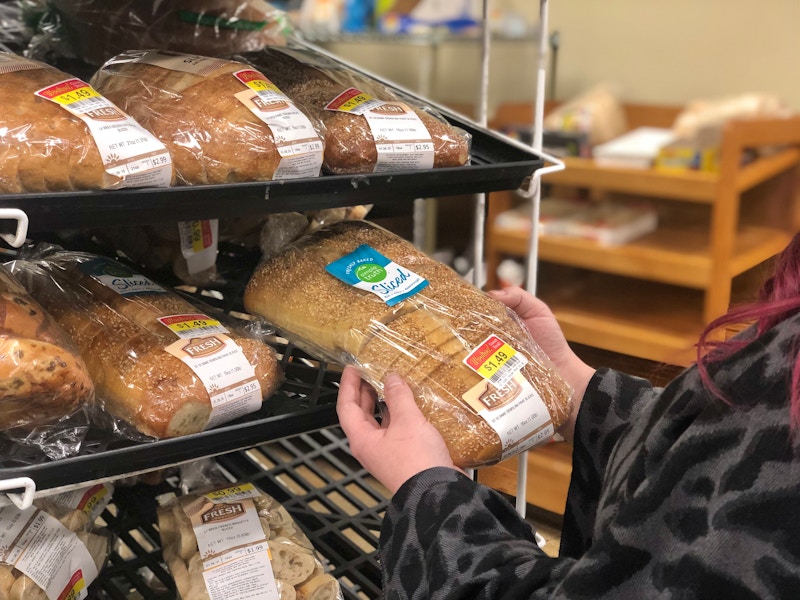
<point>779,298</point>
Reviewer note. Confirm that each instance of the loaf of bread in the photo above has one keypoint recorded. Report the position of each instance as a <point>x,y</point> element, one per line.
<point>96,30</point>
<point>112,315</point>
<point>191,103</point>
<point>313,81</point>
<point>297,573</point>
<point>425,337</point>
<point>42,377</point>
<point>44,147</point>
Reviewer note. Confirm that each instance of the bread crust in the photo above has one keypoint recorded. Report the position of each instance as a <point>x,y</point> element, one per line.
<point>424,338</point>
<point>42,377</point>
<point>211,135</point>
<point>124,347</point>
<point>349,142</point>
<point>43,147</point>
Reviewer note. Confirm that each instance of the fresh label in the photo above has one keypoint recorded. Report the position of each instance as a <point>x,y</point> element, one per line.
<point>298,143</point>
<point>367,269</point>
<point>118,278</point>
<point>47,552</point>
<point>496,361</point>
<point>225,372</point>
<point>515,411</point>
<point>233,545</point>
<point>127,149</point>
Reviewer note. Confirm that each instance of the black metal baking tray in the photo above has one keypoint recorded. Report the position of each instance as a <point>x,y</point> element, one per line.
<point>304,402</point>
<point>497,164</point>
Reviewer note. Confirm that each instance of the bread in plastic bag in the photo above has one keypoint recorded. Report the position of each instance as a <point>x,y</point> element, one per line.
<point>159,363</point>
<point>59,134</point>
<point>368,127</point>
<point>96,30</point>
<point>57,549</point>
<point>42,376</point>
<point>223,121</point>
<point>236,533</point>
<point>476,372</point>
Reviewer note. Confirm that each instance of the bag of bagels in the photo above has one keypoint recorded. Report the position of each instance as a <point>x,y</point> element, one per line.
<point>237,542</point>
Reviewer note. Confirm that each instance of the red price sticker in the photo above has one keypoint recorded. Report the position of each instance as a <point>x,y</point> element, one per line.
<point>496,361</point>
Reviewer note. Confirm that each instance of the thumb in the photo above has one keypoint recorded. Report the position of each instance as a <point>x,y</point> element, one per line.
<point>399,398</point>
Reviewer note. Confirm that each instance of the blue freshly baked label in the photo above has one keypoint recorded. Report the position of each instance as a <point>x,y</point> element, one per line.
<point>369,270</point>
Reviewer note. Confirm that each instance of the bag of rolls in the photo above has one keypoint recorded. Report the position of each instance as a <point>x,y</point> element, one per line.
<point>53,549</point>
<point>223,121</point>
<point>217,542</point>
<point>355,293</point>
<point>159,363</point>
<point>58,134</point>
<point>368,127</point>
<point>44,382</point>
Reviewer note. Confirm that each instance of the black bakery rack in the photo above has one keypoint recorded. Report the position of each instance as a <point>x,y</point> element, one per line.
<point>497,163</point>
<point>313,475</point>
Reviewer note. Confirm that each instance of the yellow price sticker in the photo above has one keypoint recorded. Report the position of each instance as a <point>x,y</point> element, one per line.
<point>495,360</point>
<point>245,488</point>
<point>349,100</point>
<point>68,92</point>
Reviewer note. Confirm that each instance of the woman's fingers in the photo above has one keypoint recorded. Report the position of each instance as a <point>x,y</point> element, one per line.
<point>525,305</point>
<point>400,400</point>
<point>355,405</point>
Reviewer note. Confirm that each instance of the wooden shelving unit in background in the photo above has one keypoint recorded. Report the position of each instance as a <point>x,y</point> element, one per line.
<point>651,298</point>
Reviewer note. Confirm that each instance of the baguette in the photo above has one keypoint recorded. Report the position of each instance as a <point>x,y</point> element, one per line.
<point>125,345</point>
<point>313,82</point>
<point>42,377</point>
<point>425,337</point>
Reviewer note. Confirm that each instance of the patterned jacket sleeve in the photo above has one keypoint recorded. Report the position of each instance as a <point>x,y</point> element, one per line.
<point>611,401</point>
<point>443,536</point>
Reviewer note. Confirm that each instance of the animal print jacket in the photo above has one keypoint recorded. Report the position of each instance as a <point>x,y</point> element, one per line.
<point>674,495</point>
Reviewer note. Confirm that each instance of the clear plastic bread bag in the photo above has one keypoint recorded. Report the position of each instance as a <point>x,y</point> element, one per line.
<point>60,134</point>
<point>355,293</point>
<point>215,537</point>
<point>45,386</point>
<point>222,120</point>
<point>368,127</point>
<point>94,30</point>
<point>164,366</point>
<point>57,548</point>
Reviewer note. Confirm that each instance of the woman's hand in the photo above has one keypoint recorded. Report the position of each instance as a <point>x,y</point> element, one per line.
<point>399,447</point>
<point>544,328</point>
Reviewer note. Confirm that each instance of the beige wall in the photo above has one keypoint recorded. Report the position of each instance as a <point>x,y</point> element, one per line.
<point>655,51</point>
<point>673,51</point>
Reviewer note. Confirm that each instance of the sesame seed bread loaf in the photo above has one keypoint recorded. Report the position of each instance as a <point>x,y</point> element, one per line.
<point>313,81</point>
<point>424,337</point>
<point>125,346</point>
<point>212,135</point>
<point>42,377</point>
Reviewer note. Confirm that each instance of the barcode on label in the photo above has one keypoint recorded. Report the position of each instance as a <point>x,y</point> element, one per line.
<point>511,367</point>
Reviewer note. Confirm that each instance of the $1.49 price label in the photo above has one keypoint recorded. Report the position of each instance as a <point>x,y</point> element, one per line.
<point>192,326</point>
<point>496,361</point>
